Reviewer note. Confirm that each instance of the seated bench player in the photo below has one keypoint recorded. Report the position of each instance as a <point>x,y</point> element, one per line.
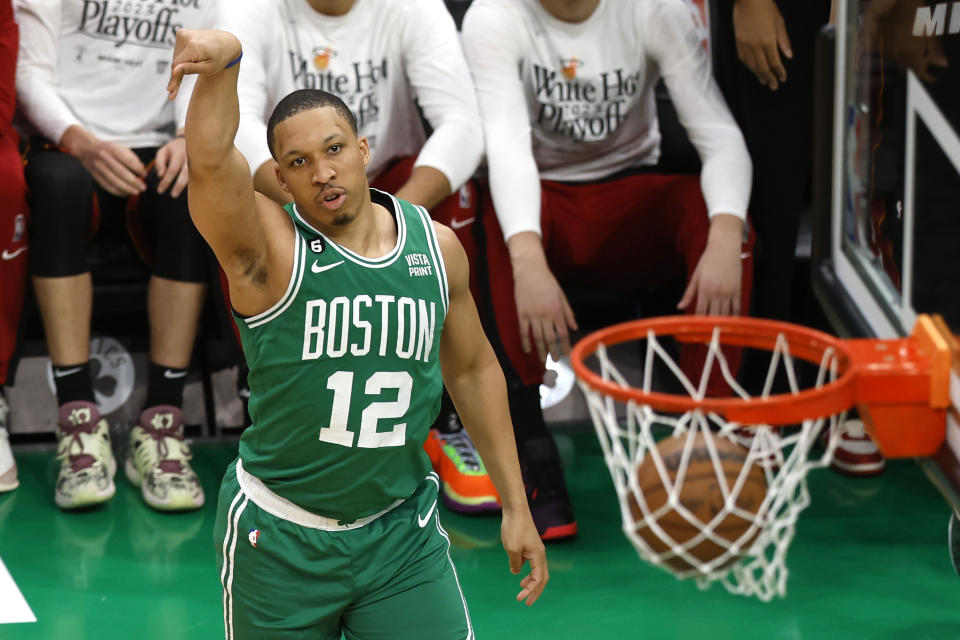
<point>566,97</point>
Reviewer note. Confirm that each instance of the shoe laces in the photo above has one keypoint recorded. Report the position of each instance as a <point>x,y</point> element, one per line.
<point>462,444</point>
<point>81,446</point>
<point>167,455</point>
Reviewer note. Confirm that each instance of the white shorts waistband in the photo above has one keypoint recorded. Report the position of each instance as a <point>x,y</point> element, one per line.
<point>280,507</point>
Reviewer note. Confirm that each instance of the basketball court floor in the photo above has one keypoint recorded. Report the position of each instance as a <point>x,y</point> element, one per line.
<point>869,561</point>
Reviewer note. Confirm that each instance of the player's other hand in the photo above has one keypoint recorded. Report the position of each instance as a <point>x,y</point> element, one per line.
<point>115,167</point>
<point>523,545</point>
<point>543,310</point>
<point>201,52</point>
<point>171,167</point>
<point>761,36</point>
<point>716,282</point>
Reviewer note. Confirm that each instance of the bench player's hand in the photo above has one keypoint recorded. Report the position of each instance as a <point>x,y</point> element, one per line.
<point>201,52</point>
<point>522,544</point>
<point>761,36</point>
<point>542,307</point>
<point>171,166</point>
<point>115,167</point>
<point>716,282</point>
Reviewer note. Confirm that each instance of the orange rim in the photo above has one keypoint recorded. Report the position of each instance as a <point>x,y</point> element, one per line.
<point>779,409</point>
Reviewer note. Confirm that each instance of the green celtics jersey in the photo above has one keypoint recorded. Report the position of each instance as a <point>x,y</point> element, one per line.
<point>345,372</point>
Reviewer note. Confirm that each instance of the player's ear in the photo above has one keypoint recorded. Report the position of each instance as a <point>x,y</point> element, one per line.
<point>280,180</point>
<point>364,149</point>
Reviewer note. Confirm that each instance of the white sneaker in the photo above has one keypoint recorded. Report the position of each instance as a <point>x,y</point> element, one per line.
<point>87,466</point>
<point>856,454</point>
<point>8,466</point>
<point>159,461</point>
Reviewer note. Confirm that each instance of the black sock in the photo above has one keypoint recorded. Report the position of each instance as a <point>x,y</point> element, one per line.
<point>447,420</point>
<point>73,383</point>
<point>165,386</point>
<point>539,457</point>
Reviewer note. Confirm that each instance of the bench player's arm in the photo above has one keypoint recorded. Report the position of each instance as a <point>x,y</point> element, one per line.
<point>475,381</point>
<point>250,235</point>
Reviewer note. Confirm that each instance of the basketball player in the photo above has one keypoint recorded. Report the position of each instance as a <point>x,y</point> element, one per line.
<point>566,97</point>
<point>390,62</point>
<point>13,232</point>
<point>103,153</point>
<point>349,301</point>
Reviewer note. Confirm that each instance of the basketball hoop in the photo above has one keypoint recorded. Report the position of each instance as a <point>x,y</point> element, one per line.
<point>684,435</point>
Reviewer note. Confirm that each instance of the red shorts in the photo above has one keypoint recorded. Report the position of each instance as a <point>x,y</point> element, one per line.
<point>458,211</point>
<point>13,245</point>
<point>627,234</point>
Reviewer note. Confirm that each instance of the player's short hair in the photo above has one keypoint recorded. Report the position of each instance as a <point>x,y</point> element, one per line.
<point>304,100</point>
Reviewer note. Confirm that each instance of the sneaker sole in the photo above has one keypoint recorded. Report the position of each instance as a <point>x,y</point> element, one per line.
<point>183,503</point>
<point>462,504</point>
<point>89,499</point>
<point>481,508</point>
<point>858,470</point>
<point>9,480</point>
<point>559,532</point>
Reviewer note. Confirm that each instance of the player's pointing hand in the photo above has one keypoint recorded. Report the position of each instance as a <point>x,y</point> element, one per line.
<point>201,52</point>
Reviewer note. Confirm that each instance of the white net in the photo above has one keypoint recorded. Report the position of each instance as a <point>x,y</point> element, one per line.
<point>720,500</point>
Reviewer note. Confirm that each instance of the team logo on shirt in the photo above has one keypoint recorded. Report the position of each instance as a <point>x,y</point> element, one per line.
<point>19,226</point>
<point>322,56</point>
<point>253,537</point>
<point>569,67</point>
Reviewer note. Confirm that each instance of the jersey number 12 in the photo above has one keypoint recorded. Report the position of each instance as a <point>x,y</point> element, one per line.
<point>341,383</point>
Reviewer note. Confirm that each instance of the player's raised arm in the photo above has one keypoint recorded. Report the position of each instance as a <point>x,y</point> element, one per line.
<point>251,237</point>
<point>475,381</point>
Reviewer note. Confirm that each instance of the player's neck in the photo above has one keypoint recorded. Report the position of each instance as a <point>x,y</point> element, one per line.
<point>570,10</point>
<point>372,234</point>
<point>331,7</point>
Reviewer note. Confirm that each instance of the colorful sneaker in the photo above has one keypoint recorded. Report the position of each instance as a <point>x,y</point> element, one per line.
<point>465,485</point>
<point>8,466</point>
<point>158,461</point>
<point>552,513</point>
<point>856,454</point>
<point>87,466</point>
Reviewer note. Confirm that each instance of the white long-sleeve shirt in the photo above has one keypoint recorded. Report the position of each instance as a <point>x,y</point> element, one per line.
<point>103,65</point>
<point>575,102</point>
<point>383,58</point>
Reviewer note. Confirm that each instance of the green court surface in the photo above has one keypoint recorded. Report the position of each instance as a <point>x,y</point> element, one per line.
<point>869,561</point>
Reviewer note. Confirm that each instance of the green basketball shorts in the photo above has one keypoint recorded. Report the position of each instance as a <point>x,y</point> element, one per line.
<point>291,574</point>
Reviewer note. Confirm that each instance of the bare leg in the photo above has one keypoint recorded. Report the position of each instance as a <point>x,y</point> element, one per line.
<point>65,304</point>
<point>174,310</point>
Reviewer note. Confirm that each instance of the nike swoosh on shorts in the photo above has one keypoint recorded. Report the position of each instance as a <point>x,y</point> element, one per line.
<point>172,375</point>
<point>460,224</point>
<point>424,520</point>
<point>316,268</point>
<point>10,255</point>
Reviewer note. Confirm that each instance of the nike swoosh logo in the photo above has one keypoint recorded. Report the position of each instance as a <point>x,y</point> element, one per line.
<point>745,255</point>
<point>316,268</point>
<point>171,375</point>
<point>10,255</point>
<point>460,224</point>
<point>424,520</point>
<point>59,373</point>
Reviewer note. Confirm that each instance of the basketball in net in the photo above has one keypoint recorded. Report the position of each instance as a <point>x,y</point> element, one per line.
<point>717,497</point>
<point>710,484</point>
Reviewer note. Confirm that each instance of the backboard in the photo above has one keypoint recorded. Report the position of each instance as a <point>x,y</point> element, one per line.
<point>887,225</point>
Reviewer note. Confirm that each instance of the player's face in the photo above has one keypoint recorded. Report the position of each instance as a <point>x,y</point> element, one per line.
<point>322,164</point>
